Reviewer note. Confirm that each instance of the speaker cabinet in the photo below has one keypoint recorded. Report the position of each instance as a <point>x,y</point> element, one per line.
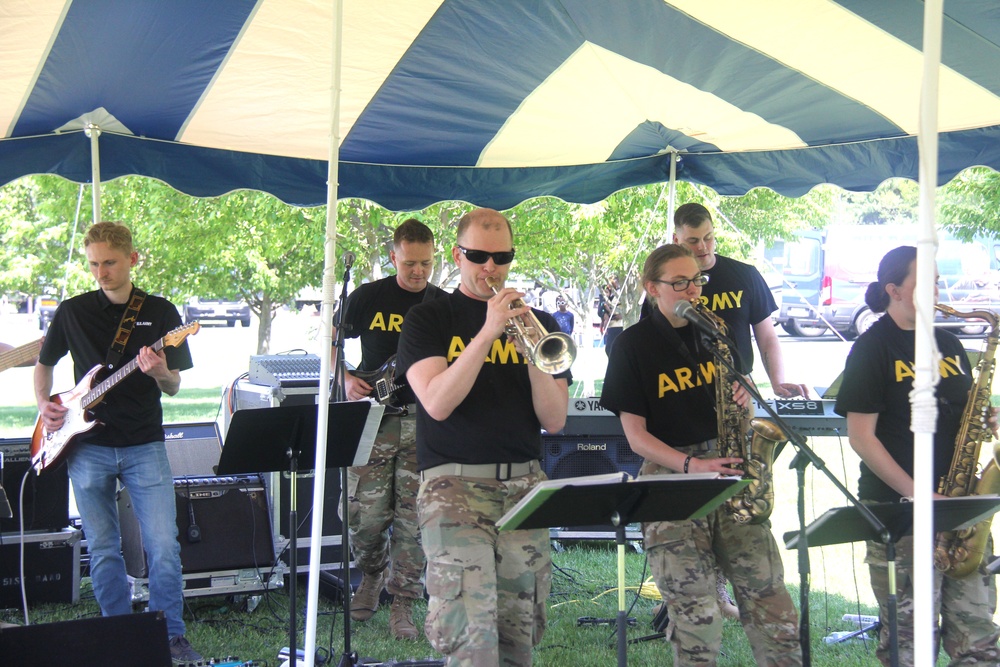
<point>582,455</point>
<point>130,639</point>
<point>46,496</point>
<point>193,449</point>
<point>223,523</point>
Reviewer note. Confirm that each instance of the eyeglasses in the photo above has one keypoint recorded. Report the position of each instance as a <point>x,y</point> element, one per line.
<point>481,256</point>
<point>681,285</point>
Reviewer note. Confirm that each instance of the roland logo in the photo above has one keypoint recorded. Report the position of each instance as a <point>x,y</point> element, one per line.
<point>591,446</point>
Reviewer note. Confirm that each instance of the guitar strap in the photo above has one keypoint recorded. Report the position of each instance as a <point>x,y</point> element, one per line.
<point>125,327</point>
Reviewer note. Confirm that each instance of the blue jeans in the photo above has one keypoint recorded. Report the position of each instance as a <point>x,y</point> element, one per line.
<point>145,471</point>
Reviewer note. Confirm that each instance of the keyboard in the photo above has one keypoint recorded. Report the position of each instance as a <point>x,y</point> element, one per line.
<point>808,416</point>
<point>284,370</point>
<point>811,417</point>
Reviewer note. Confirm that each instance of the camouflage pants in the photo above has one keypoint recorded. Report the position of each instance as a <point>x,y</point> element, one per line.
<point>488,589</point>
<point>965,608</point>
<point>383,494</point>
<point>683,557</point>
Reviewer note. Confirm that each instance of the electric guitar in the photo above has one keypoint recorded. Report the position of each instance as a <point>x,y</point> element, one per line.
<point>48,447</point>
<point>384,385</point>
<point>18,355</point>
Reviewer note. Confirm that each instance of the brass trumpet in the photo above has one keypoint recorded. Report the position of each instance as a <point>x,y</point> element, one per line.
<point>550,353</point>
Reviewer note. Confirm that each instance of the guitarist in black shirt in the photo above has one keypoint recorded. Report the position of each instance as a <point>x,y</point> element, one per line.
<point>119,325</point>
<point>383,493</point>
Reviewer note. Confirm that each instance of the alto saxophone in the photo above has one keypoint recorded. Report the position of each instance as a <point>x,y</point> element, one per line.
<point>753,440</point>
<point>958,553</point>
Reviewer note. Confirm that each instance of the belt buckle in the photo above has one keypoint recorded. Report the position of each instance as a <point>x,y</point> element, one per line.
<point>498,473</point>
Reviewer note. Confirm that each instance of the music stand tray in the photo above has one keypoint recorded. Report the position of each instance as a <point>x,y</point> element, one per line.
<point>845,524</point>
<point>258,440</point>
<point>595,499</point>
<point>616,499</point>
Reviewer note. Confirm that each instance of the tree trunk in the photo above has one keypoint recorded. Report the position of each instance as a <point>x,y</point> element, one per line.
<point>264,326</point>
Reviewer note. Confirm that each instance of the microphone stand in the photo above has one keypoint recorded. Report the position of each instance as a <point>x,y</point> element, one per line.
<point>339,393</point>
<point>803,457</point>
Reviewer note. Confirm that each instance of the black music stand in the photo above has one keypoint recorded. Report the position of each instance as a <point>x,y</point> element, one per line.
<point>617,500</point>
<point>284,439</point>
<point>846,524</point>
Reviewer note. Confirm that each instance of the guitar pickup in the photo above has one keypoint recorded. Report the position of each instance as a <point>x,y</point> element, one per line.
<point>382,389</point>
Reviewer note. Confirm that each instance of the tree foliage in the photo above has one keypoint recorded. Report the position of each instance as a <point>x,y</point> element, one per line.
<point>250,246</point>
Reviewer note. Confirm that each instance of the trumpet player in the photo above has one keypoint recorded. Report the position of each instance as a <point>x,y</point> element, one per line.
<point>480,408</point>
<point>660,382</point>
<point>874,396</point>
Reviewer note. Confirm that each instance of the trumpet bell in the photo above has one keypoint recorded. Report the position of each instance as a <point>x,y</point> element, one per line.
<point>554,353</point>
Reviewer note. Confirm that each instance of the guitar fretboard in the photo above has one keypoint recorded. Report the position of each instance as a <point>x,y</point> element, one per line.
<point>94,396</point>
<point>18,355</point>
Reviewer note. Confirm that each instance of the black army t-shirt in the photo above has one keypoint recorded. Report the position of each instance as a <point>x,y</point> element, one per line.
<point>496,423</point>
<point>375,311</point>
<point>648,376</point>
<point>878,378</point>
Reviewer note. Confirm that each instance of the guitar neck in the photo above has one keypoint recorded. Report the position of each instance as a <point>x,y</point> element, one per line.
<point>94,396</point>
<point>18,355</point>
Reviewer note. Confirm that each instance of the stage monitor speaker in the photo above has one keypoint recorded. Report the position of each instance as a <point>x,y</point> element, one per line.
<point>193,449</point>
<point>582,455</point>
<point>223,523</point>
<point>46,496</point>
<point>129,639</point>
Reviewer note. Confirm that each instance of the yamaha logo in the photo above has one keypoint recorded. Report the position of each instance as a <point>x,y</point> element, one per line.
<point>591,446</point>
<point>587,406</point>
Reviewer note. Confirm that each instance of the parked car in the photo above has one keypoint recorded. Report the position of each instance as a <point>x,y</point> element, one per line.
<point>208,310</point>
<point>46,306</point>
<point>827,272</point>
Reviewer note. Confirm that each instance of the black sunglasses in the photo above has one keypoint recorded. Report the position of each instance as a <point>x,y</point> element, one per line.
<point>481,256</point>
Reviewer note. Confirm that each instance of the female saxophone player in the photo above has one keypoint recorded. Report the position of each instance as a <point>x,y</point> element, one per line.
<point>874,396</point>
<point>659,382</point>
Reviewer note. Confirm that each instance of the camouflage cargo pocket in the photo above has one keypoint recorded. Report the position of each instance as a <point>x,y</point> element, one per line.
<point>447,621</point>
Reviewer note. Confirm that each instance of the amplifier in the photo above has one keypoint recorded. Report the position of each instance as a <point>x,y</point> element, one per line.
<point>46,496</point>
<point>223,523</point>
<point>193,449</point>
<point>579,456</point>
<point>51,567</point>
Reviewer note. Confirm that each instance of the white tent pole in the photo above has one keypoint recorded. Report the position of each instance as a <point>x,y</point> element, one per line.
<point>326,344</point>
<point>672,197</point>
<point>93,132</point>
<point>924,407</point>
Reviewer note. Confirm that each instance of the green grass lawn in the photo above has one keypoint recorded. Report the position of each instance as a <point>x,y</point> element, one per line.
<point>583,585</point>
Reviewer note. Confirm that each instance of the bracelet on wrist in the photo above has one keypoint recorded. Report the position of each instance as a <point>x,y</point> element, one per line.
<point>687,462</point>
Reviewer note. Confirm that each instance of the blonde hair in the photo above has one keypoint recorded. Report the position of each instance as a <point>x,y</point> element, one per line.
<point>115,234</point>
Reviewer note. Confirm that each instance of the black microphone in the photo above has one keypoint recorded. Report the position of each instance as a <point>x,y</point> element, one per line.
<point>348,260</point>
<point>686,310</point>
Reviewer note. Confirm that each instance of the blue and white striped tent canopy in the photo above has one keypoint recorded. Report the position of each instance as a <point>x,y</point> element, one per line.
<point>487,101</point>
